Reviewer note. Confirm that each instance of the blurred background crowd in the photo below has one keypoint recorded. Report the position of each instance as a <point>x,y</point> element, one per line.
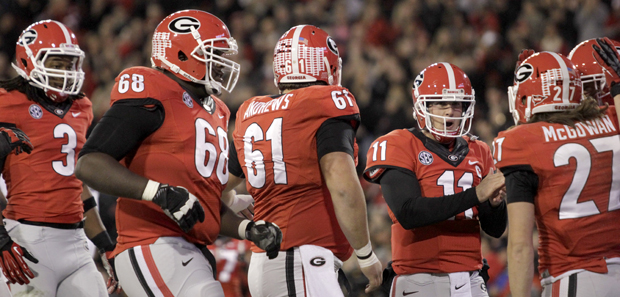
<point>384,45</point>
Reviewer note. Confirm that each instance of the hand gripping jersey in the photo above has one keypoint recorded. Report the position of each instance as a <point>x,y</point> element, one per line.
<point>578,196</point>
<point>452,245</point>
<point>190,150</point>
<point>41,185</point>
<point>275,139</point>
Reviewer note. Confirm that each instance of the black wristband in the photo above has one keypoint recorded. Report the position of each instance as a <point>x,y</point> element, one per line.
<point>89,203</point>
<point>103,242</point>
<point>615,89</point>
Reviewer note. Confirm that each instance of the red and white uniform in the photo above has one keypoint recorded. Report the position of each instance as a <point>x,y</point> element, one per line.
<point>166,156</point>
<point>42,188</point>
<point>449,246</point>
<point>41,185</point>
<point>275,139</point>
<point>578,193</point>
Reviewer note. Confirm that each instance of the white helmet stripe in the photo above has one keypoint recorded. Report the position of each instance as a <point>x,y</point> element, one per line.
<point>64,31</point>
<point>451,80</point>
<point>295,48</point>
<point>565,77</point>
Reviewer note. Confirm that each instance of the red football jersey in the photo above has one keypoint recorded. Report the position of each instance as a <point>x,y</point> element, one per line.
<point>190,150</point>
<point>41,185</point>
<point>449,246</point>
<point>578,189</point>
<point>275,139</point>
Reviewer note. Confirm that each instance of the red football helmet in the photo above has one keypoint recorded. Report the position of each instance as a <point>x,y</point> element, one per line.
<point>40,44</point>
<point>545,82</point>
<point>306,54</point>
<point>191,44</point>
<point>443,82</point>
<point>594,76</point>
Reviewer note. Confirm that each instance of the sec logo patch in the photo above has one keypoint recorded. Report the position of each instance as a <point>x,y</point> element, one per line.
<point>425,158</point>
<point>35,111</point>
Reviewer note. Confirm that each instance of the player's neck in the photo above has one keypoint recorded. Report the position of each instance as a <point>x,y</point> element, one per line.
<point>196,90</point>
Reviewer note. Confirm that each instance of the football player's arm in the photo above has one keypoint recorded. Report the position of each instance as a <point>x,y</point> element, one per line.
<point>493,220</point>
<point>521,186</point>
<point>335,147</point>
<point>241,204</point>
<point>121,130</point>
<point>403,195</point>
<point>96,232</point>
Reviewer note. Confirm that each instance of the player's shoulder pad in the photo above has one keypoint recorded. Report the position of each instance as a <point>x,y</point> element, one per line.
<point>141,82</point>
<point>328,98</point>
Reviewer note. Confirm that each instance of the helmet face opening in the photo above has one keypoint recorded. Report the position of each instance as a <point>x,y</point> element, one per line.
<point>192,44</point>
<point>444,101</point>
<point>593,75</point>
<point>48,56</point>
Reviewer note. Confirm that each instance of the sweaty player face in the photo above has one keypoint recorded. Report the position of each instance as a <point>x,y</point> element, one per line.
<point>446,109</point>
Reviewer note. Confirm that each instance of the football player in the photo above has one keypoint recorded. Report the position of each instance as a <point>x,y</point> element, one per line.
<point>441,186</point>
<point>168,130</point>
<point>595,77</point>
<point>562,169</point>
<point>44,219</point>
<point>297,152</point>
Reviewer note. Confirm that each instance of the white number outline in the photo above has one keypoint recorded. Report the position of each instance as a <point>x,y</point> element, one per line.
<point>137,83</point>
<point>59,166</point>
<point>570,207</point>
<point>203,147</point>
<point>254,159</point>
<point>446,180</point>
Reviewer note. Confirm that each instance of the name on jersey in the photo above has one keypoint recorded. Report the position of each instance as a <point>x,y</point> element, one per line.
<point>257,107</point>
<point>595,127</point>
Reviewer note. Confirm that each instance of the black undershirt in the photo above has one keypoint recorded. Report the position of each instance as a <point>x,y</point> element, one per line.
<point>123,127</point>
<point>403,195</point>
<point>521,183</point>
<point>334,135</point>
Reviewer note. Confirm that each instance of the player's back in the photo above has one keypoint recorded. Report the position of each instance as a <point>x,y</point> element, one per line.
<point>578,196</point>
<point>275,139</point>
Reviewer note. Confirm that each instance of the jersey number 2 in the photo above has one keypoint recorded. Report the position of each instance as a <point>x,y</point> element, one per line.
<point>570,208</point>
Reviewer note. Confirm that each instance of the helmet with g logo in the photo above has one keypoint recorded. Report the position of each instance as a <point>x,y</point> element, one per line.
<point>192,44</point>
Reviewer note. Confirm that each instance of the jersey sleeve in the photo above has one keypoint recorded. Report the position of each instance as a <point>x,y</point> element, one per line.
<point>388,151</point>
<point>511,149</point>
<point>139,83</point>
<point>326,102</point>
<point>489,164</point>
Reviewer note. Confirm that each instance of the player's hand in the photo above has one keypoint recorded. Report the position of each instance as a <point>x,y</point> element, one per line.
<point>497,200</point>
<point>12,263</point>
<point>373,270</point>
<point>13,139</point>
<point>490,186</point>
<point>243,206</point>
<point>180,205</point>
<point>609,58</point>
<point>108,263</point>
<point>267,236</point>
<point>525,53</point>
